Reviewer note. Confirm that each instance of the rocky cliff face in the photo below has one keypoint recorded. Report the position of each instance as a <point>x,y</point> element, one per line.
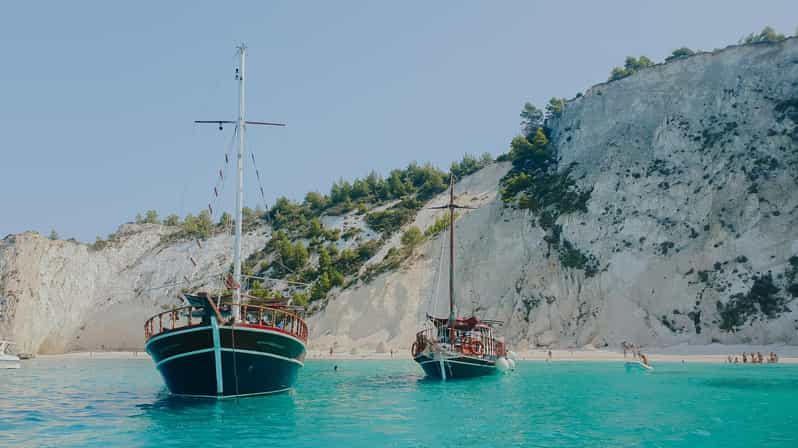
<point>57,296</point>
<point>691,221</point>
<point>691,226</point>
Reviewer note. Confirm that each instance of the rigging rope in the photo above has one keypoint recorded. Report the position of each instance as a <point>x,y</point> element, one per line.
<point>217,191</point>
<point>438,278</point>
<point>260,184</point>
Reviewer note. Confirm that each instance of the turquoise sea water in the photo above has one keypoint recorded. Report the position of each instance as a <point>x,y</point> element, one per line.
<point>387,403</point>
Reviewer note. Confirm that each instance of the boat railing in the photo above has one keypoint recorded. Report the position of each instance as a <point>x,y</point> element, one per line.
<point>473,342</point>
<point>273,318</point>
<point>182,317</point>
<point>253,316</point>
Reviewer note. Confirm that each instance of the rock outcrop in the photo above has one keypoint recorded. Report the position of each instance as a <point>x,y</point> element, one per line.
<point>57,296</point>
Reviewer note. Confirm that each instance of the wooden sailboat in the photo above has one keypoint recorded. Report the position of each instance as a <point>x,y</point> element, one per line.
<point>221,347</point>
<point>457,347</point>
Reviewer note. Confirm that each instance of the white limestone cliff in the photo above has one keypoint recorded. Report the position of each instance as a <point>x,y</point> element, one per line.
<point>57,296</point>
<point>693,166</point>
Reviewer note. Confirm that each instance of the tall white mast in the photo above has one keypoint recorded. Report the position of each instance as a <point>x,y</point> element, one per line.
<point>242,51</point>
<point>452,206</point>
<point>241,124</point>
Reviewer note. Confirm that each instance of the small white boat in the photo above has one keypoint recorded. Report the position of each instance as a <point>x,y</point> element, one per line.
<point>638,365</point>
<point>7,360</point>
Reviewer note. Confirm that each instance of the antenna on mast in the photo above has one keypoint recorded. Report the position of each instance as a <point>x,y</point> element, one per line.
<point>241,125</point>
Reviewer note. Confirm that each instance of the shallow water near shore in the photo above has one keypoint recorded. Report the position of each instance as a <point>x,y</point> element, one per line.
<point>69,402</point>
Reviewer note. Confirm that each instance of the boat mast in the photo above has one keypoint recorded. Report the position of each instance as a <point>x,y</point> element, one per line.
<point>242,51</point>
<point>241,123</point>
<point>452,317</point>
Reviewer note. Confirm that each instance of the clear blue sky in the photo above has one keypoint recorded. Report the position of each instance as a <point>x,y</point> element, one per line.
<point>97,98</point>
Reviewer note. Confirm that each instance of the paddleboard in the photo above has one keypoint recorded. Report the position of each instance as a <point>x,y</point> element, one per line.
<point>638,365</point>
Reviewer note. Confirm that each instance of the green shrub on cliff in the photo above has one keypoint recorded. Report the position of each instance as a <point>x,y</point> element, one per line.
<point>423,181</point>
<point>679,53</point>
<point>470,164</point>
<point>412,238</point>
<point>149,217</point>
<point>441,223</point>
<point>172,220</point>
<point>554,108</point>
<point>763,298</point>
<point>768,34</point>
<point>390,220</point>
<point>535,183</point>
<point>531,119</point>
<point>631,66</point>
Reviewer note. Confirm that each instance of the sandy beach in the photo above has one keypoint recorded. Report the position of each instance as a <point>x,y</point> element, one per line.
<point>714,353</point>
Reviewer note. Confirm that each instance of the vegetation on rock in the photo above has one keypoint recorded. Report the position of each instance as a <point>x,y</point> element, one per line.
<point>763,298</point>
<point>149,217</point>
<point>680,53</point>
<point>441,223</point>
<point>536,183</point>
<point>768,34</point>
<point>631,66</point>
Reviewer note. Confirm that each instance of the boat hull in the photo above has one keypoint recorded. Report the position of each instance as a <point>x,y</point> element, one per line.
<point>224,362</point>
<point>9,362</point>
<point>455,367</point>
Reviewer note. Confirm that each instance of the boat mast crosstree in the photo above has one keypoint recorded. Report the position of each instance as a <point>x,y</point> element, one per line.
<point>224,349</point>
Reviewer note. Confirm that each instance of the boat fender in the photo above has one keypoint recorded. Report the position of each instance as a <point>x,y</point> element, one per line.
<point>502,364</point>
